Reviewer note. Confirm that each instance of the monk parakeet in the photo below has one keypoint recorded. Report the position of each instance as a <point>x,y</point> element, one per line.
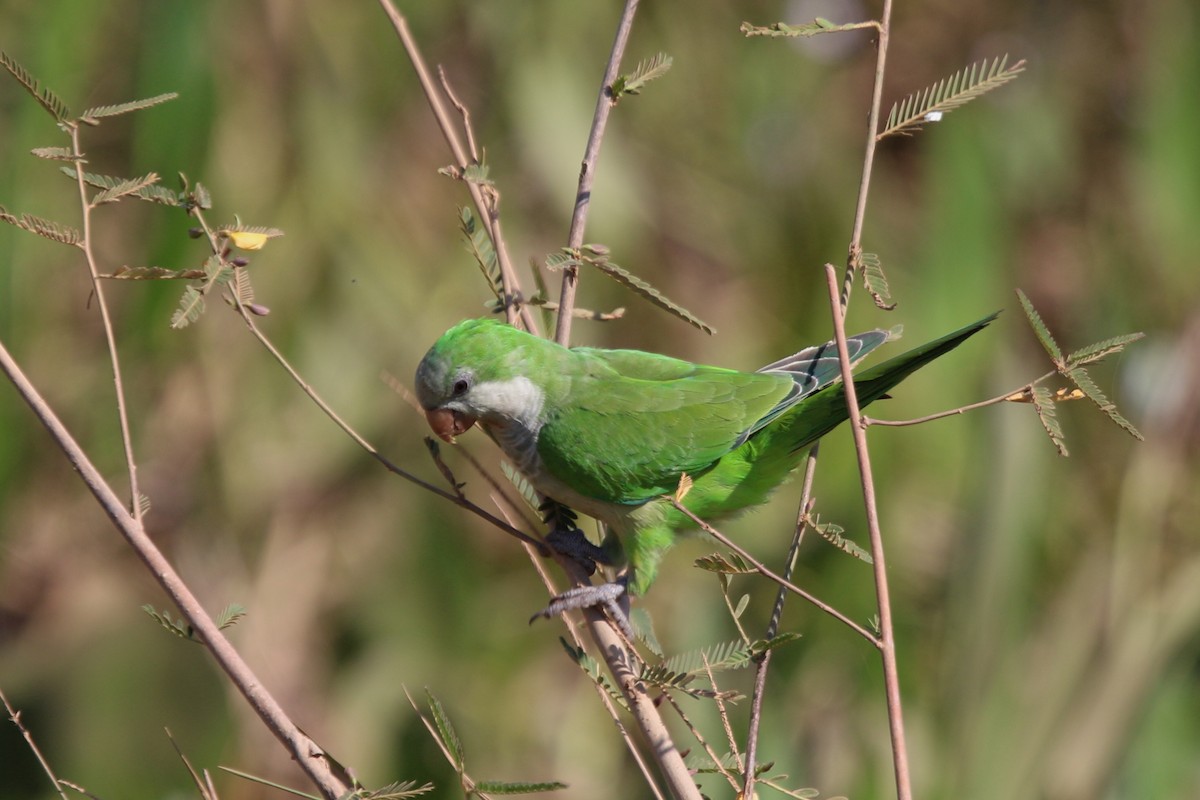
<point>609,432</point>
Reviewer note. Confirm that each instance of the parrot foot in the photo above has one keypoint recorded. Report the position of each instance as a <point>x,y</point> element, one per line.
<point>613,597</point>
<point>571,542</point>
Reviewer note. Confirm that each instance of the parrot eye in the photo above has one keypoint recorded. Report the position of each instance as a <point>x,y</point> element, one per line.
<point>461,386</point>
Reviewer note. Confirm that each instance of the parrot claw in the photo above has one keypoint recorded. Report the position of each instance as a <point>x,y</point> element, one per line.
<point>612,596</point>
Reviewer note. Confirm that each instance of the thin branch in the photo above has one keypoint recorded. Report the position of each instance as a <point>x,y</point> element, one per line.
<point>135,496</point>
<point>887,640</point>
<point>587,170</point>
<point>766,572</point>
<point>764,663</point>
<point>304,750</point>
<point>1001,398</point>
<point>864,185</point>
<point>15,717</point>
<point>513,306</point>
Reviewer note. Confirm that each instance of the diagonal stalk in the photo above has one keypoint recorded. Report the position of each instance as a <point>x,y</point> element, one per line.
<point>887,639</point>
<point>135,495</point>
<point>864,185</point>
<point>587,170</point>
<point>308,756</point>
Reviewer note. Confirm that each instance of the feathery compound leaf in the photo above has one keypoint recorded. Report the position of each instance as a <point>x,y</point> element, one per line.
<point>46,98</point>
<point>231,615</point>
<point>45,228</point>
<point>92,115</point>
<point>445,730</point>
<point>724,564</point>
<point>152,193</point>
<point>124,188</point>
<point>817,26</point>
<point>477,174</point>
<point>643,73</point>
<point>191,306</point>
<point>1080,377</point>
<point>875,282</point>
<point>154,274</point>
<point>243,290</point>
<point>591,668</point>
<point>763,645</point>
<point>479,245</point>
<point>505,787</point>
<point>833,534</point>
<point>54,153</point>
<point>397,791</point>
<point>1039,328</point>
<point>597,256</point>
<point>1043,404</point>
<point>1101,350</point>
<point>728,655</point>
<point>948,94</point>
<point>175,626</point>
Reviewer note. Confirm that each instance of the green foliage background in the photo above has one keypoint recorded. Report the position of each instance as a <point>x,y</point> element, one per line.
<point>1048,609</point>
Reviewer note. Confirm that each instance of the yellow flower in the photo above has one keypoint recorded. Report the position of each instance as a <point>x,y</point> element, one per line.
<point>245,240</point>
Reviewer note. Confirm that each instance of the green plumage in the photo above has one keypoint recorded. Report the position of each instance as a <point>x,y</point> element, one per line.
<point>610,432</point>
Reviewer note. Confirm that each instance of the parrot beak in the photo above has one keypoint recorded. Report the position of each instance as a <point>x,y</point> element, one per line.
<point>447,424</point>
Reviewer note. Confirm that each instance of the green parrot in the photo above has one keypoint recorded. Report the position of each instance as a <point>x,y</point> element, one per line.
<point>609,433</point>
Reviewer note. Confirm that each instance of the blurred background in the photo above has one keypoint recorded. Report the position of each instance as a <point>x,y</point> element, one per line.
<point>1048,609</point>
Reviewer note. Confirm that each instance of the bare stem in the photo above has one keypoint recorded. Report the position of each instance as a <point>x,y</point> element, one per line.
<point>765,571</point>
<point>85,205</point>
<point>587,170</point>
<point>887,640</point>
<point>1001,398</point>
<point>864,185</point>
<point>304,751</point>
<point>764,662</point>
<point>15,717</point>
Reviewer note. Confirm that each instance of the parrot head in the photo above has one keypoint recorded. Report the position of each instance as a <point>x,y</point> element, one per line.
<point>477,372</point>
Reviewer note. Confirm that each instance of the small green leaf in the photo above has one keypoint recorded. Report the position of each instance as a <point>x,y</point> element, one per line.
<point>729,564</point>
<point>124,188</point>
<point>479,245</point>
<point>175,626</point>
<point>497,787</point>
<point>1080,377</point>
<point>598,258</point>
<point>740,609</point>
<point>805,29</point>
<point>1100,350</point>
<point>153,274</point>
<point>643,73</point>
<point>395,791</point>
<point>643,626</point>
<point>763,645</point>
<point>834,534</point>
<point>93,114</point>
<point>191,306</point>
<point>45,98</point>
<point>1043,404</point>
<point>445,730</point>
<point>1040,329</point>
<point>231,615</point>
<point>929,105</point>
<point>54,153</point>
<point>47,229</point>
<point>875,282</point>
